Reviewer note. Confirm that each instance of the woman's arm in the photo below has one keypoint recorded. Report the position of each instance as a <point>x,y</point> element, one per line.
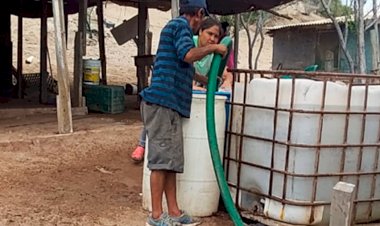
<point>200,78</point>
<point>195,87</point>
<point>227,80</point>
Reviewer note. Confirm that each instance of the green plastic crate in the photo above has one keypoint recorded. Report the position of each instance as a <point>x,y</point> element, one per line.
<point>105,98</point>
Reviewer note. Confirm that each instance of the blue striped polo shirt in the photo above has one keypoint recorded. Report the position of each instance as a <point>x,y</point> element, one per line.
<point>171,83</point>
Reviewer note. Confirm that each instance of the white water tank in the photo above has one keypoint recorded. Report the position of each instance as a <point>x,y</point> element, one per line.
<point>304,130</point>
<point>197,189</point>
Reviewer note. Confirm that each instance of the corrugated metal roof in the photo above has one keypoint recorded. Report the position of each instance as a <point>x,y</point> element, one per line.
<point>307,24</point>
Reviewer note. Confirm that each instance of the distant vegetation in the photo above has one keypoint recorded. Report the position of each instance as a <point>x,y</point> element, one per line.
<point>336,7</point>
<point>258,19</point>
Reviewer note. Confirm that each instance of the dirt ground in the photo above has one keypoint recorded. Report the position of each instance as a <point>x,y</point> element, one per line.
<point>85,178</point>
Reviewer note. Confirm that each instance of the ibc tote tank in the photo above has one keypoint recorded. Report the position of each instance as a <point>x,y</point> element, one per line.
<point>297,147</point>
<point>197,189</point>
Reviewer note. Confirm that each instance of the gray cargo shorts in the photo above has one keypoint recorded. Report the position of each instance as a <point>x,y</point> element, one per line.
<point>165,139</point>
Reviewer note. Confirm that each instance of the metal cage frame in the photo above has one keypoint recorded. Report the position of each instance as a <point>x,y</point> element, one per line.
<point>352,80</point>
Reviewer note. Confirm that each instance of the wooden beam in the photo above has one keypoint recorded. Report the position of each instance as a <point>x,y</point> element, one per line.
<point>342,204</point>
<point>65,123</point>
<point>126,31</point>
<point>102,49</point>
<point>43,54</point>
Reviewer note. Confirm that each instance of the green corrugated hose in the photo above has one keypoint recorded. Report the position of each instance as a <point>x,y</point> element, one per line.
<point>217,68</point>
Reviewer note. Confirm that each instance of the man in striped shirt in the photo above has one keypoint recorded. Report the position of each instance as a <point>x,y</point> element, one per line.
<point>165,101</point>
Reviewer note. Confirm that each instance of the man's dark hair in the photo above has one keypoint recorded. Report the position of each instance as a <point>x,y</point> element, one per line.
<point>189,10</point>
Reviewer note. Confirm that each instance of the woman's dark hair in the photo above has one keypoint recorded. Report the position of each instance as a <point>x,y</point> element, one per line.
<point>210,22</point>
<point>225,26</point>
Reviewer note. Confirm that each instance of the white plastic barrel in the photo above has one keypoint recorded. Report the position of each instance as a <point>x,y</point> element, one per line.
<point>91,71</point>
<point>304,130</point>
<point>197,189</point>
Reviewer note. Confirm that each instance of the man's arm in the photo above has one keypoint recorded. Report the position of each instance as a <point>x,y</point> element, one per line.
<point>227,80</point>
<point>198,53</point>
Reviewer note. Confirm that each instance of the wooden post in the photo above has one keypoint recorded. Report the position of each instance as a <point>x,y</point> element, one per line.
<point>375,40</point>
<point>375,51</point>
<point>78,70</point>
<point>236,40</point>
<point>148,49</point>
<point>175,8</point>
<point>102,49</point>
<point>360,37</point>
<point>79,52</point>
<point>82,22</point>
<point>66,19</point>
<point>342,204</point>
<point>142,31</point>
<point>43,53</point>
<point>19,57</point>
<point>65,124</point>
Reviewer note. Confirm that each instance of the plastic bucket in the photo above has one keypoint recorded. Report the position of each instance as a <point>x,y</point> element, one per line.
<point>197,188</point>
<point>91,71</point>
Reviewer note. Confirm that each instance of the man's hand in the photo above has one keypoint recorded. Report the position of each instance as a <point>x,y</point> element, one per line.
<point>221,49</point>
<point>198,53</point>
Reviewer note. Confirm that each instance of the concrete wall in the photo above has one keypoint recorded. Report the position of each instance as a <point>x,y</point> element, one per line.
<point>352,48</point>
<point>327,51</point>
<point>298,48</point>
<point>294,49</point>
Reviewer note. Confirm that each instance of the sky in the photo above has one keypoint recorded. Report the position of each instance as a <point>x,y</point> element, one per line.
<point>367,6</point>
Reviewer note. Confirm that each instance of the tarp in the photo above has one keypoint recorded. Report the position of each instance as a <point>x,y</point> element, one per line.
<point>33,8</point>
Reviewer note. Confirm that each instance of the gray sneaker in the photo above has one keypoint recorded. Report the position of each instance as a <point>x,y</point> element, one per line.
<point>164,220</point>
<point>186,220</point>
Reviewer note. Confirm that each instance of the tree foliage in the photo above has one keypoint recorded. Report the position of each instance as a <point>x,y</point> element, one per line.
<point>336,8</point>
<point>248,16</point>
